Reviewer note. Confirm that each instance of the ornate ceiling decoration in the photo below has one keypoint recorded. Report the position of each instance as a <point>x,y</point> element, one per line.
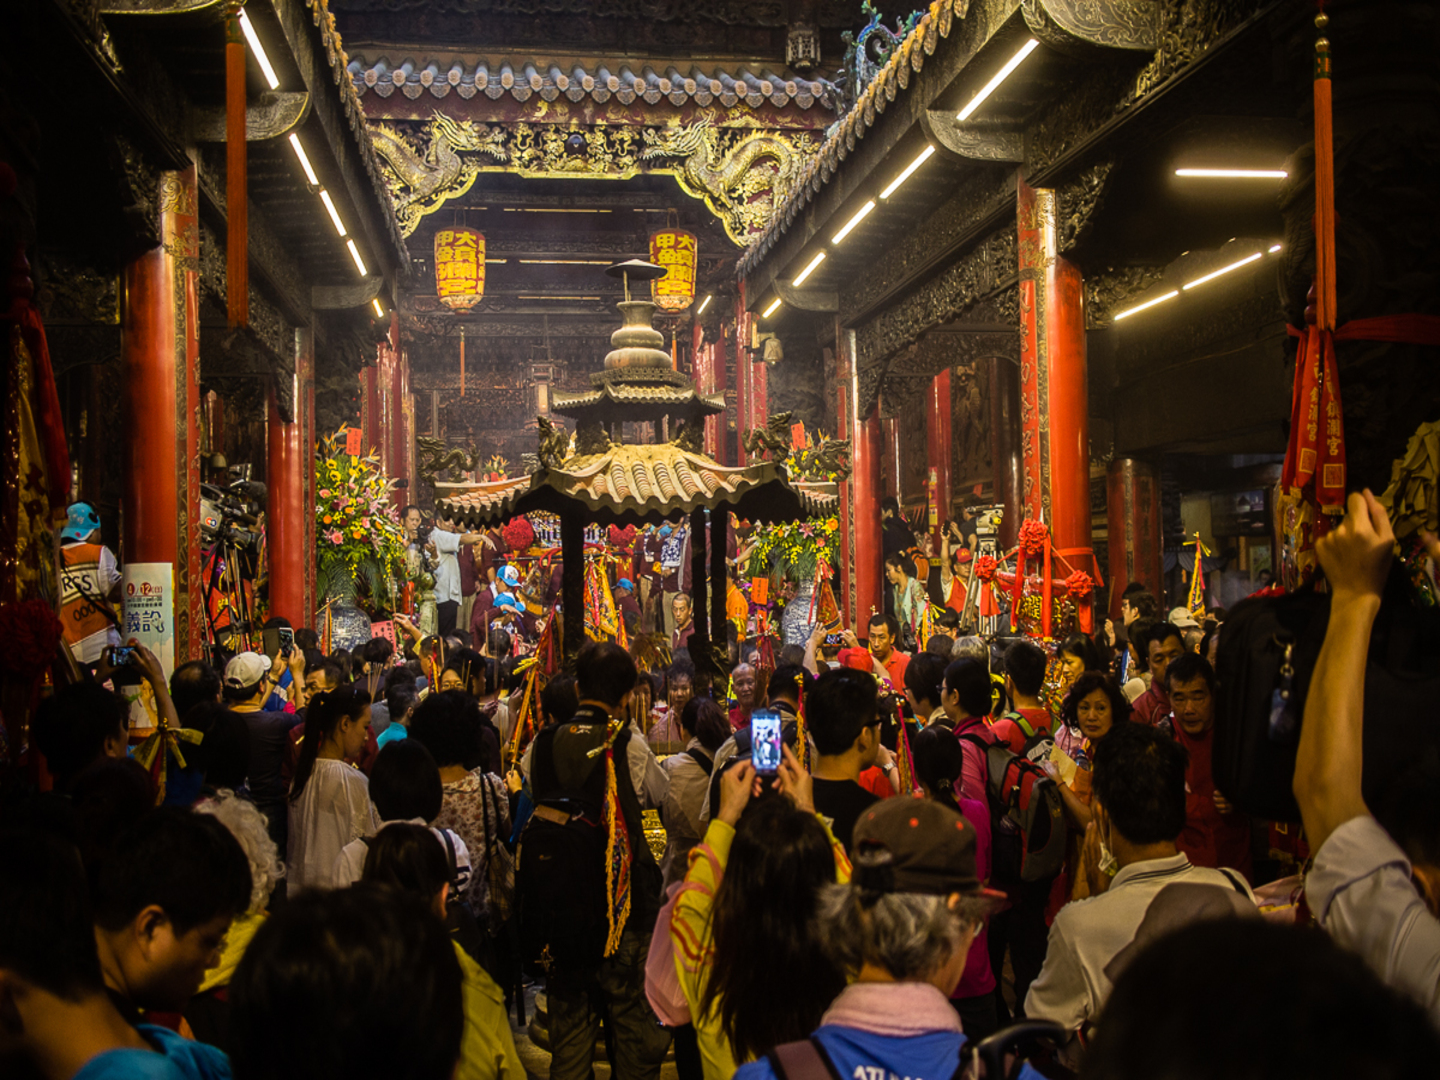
<point>742,174</point>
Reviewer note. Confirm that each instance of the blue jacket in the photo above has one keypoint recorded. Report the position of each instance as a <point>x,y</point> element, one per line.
<point>861,1055</point>
<point>178,1059</point>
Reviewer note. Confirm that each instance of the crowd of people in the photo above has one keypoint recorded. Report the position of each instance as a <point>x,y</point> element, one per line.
<point>364,859</point>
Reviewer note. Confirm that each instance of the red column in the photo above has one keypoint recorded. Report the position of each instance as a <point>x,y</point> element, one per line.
<point>1054,396</point>
<point>760,394</point>
<point>937,450</point>
<point>149,465</point>
<point>744,372</point>
<point>1132,507</point>
<point>868,545</point>
<point>286,526</point>
<point>370,423</point>
<point>845,597</point>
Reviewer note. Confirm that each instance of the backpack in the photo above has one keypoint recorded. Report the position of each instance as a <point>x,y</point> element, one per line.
<point>1027,818</point>
<point>561,886</point>
<point>1266,658</point>
<point>560,874</point>
<point>1037,744</point>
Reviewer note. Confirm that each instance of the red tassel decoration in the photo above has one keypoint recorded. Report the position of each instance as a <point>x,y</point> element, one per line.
<point>237,264</point>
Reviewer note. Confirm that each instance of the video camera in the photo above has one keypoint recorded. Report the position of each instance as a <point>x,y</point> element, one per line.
<point>231,514</point>
<point>988,519</point>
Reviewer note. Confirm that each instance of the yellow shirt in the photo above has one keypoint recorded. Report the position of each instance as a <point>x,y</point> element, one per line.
<point>487,1048</point>
<point>694,949</point>
<point>236,942</point>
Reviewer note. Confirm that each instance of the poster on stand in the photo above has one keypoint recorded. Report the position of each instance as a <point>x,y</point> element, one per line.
<point>147,592</point>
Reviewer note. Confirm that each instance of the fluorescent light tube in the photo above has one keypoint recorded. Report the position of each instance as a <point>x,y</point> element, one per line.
<point>859,217</point>
<point>1148,304</point>
<point>259,50</point>
<point>774,306</point>
<point>920,159</point>
<point>334,214</point>
<point>1000,76</point>
<point>304,161</point>
<point>800,278</point>
<point>1235,174</point>
<point>355,254</point>
<point>1223,270</point>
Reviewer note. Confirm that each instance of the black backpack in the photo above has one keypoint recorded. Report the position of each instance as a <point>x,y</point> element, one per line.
<point>560,886</point>
<point>1268,648</point>
<point>1027,817</point>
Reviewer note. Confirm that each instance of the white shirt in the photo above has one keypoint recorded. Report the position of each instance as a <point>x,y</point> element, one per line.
<point>333,810</point>
<point>689,787</point>
<point>1361,892</point>
<point>447,569</point>
<point>650,780</point>
<point>350,863</point>
<point>1086,935</point>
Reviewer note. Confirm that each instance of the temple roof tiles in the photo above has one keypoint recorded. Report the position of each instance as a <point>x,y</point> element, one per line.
<point>893,79</point>
<point>631,484</point>
<point>598,80</point>
<point>623,394</point>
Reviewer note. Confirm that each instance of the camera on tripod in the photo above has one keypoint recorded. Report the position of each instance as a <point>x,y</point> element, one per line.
<point>231,515</point>
<point>988,519</point>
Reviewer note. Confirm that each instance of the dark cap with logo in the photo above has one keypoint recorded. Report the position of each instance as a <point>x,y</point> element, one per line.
<point>914,845</point>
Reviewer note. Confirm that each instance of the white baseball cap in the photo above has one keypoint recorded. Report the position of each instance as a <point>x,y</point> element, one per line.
<point>1182,618</point>
<point>246,669</point>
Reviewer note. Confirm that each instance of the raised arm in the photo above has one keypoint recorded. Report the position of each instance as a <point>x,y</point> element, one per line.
<point>1356,558</point>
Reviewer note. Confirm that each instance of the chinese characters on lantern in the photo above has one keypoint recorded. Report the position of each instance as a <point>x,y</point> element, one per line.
<point>459,268</point>
<point>675,250</point>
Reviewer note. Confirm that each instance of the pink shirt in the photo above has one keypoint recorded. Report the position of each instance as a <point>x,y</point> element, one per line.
<point>978,977</point>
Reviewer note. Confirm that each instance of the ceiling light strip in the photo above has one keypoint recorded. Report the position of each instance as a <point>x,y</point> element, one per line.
<point>1235,174</point>
<point>920,159</point>
<point>304,161</point>
<point>705,303</point>
<point>1000,76</point>
<point>849,225</point>
<point>774,306</point>
<point>259,50</point>
<point>334,214</point>
<point>1223,270</point>
<point>379,309</point>
<point>355,254</point>
<point>1148,304</point>
<point>816,261</point>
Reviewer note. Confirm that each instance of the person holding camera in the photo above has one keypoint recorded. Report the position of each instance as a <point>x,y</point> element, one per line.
<point>446,540</point>
<point>1375,894</point>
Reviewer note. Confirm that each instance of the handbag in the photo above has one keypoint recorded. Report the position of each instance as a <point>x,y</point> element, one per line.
<point>1266,658</point>
<point>499,864</point>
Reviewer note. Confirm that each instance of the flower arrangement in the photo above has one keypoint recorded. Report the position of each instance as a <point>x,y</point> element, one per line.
<point>497,468</point>
<point>796,550</point>
<point>360,543</point>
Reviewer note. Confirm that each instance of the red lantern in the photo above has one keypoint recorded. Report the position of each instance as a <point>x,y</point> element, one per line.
<point>676,250</point>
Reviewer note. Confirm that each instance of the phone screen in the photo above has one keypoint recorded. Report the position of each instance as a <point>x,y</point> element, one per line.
<point>765,742</point>
<point>121,654</point>
<point>287,640</point>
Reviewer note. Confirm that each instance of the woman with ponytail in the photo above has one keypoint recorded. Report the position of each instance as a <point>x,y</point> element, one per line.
<point>938,760</point>
<point>329,799</point>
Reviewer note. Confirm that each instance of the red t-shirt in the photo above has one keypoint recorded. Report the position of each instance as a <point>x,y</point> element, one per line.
<point>876,782</point>
<point>895,667</point>
<point>1210,838</point>
<point>1152,706</point>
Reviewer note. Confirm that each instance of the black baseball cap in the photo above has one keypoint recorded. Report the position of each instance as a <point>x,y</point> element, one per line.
<point>908,844</point>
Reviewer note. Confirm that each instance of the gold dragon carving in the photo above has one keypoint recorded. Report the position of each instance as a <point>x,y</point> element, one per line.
<point>742,174</point>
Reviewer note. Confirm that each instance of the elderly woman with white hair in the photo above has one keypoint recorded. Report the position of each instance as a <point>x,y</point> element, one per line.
<point>208,1011</point>
<point>902,927</point>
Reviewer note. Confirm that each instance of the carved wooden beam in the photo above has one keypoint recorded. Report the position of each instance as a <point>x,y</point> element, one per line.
<point>807,299</point>
<point>974,142</point>
<point>273,114</point>
<point>341,297</point>
<point>1080,27</point>
<point>154,7</point>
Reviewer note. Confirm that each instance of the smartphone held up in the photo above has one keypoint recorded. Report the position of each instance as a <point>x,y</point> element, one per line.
<point>765,741</point>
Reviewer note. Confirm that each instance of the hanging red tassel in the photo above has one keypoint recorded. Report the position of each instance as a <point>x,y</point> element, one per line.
<point>237,257</point>
<point>1324,184</point>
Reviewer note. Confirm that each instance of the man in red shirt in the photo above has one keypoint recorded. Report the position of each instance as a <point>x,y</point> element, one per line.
<point>1024,675</point>
<point>1215,834</point>
<point>743,679</point>
<point>1164,646</point>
